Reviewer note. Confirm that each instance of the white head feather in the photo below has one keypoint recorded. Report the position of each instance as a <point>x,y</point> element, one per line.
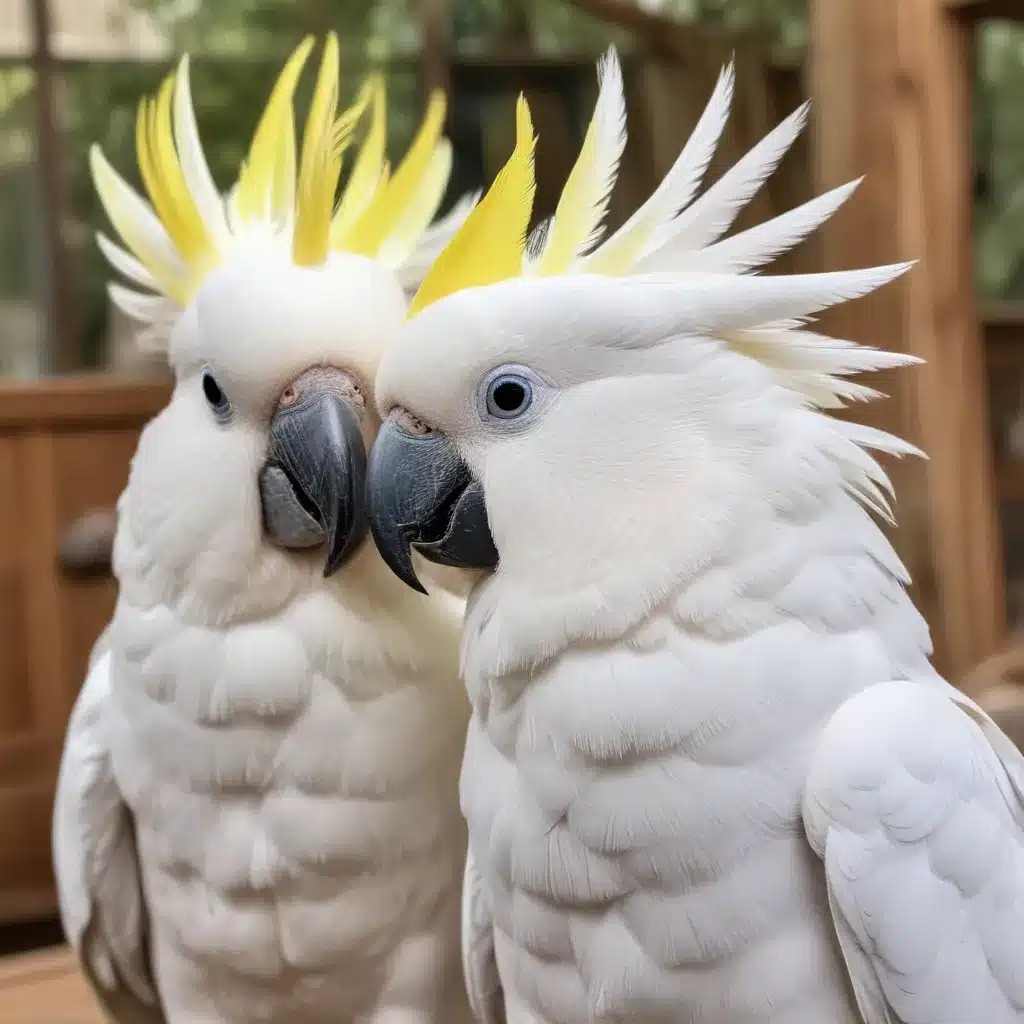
<point>187,228</point>
<point>253,291</point>
<point>676,401</point>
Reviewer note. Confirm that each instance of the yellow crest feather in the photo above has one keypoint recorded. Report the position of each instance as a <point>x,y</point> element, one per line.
<point>489,246</point>
<point>377,221</point>
<point>188,226</point>
<point>320,165</point>
<point>165,183</point>
<point>369,172</point>
<point>578,222</point>
<point>420,210</point>
<point>130,218</point>
<point>266,182</point>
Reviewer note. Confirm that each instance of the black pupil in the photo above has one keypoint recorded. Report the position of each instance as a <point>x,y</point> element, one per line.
<point>509,396</point>
<point>212,390</point>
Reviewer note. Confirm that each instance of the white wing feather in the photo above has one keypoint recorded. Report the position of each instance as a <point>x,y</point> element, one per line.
<point>479,965</point>
<point>102,906</point>
<point>914,802</point>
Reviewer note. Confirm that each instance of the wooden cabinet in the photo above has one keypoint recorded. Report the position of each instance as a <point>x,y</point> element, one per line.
<point>65,448</point>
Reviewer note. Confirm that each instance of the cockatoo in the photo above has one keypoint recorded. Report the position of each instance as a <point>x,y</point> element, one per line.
<point>711,775</point>
<point>257,812</point>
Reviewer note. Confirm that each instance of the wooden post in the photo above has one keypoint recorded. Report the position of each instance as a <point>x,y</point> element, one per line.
<point>436,30</point>
<point>891,88</point>
<point>61,301</point>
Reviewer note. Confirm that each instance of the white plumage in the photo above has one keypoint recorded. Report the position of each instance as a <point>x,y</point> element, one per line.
<point>711,775</point>
<point>257,813</point>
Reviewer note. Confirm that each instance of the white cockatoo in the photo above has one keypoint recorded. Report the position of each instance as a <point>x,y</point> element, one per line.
<point>257,813</point>
<point>710,775</point>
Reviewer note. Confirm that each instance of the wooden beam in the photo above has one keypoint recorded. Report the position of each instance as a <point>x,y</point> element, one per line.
<point>891,83</point>
<point>979,9</point>
<point>436,32</point>
<point>61,299</point>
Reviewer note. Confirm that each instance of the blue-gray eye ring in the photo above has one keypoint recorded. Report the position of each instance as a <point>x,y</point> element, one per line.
<point>508,396</point>
<point>215,397</point>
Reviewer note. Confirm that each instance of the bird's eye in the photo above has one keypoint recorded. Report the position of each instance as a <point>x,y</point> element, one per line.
<point>509,395</point>
<point>215,397</point>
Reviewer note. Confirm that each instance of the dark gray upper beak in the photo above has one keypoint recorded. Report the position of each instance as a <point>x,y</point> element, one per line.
<point>313,484</point>
<point>420,494</point>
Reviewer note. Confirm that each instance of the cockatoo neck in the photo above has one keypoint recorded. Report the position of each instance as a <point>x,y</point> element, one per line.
<point>257,583</point>
<point>739,589</point>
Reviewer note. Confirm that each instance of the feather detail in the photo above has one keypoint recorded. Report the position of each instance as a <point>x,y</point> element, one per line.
<point>807,351</point>
<point>267,181</point>
<point>754,247</point>
<point>419,212</point>
<point>535,242</point>
<point>320,165</point>
<point>148,309</point>
<point>710,216</point>
<point>618,253</point>
<point>578,222</point>
<point>444,227</point>
<point>138,226</point>
<point>489,246</point>
<point>389,202</point>
<point>428,247</point>
<point>168,188</point>
<point>195,170</point>
<point>715,304</point>
<point>125,263</point>
<point>369,170</point>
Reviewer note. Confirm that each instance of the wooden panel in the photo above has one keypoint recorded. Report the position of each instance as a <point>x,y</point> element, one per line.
<point>91,471</point>
<point>39,539</point>
<point>87,398</point>
<point>977,10</point>
<point>15,713</point>
<point>28,772</point>
<point>65,447</point>
<point>894,80</point>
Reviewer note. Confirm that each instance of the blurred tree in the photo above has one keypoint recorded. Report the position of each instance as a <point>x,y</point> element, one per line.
<point>999,160</point>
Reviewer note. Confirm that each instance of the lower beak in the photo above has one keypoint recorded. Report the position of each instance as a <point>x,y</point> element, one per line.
<point>421,494</point>
<point>312,486</point>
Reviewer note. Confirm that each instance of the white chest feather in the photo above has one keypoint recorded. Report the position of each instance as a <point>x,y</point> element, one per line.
<point>635,805</point>
<point>293,782</point>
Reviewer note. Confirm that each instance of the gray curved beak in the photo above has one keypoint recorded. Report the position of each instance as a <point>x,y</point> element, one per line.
<point>312,486</point>
<point>420,494</point>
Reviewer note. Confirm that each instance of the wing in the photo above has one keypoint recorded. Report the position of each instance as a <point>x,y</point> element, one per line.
<point>915,803</point>
<point>102,906</point>
<point>478,961</point>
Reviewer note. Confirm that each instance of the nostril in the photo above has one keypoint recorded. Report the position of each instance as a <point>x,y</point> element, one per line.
<point>290,395</point>
<point>408,422</point>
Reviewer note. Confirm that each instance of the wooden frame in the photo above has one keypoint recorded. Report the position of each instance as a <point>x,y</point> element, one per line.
<point>65,447</point>
<point>895,81</point>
